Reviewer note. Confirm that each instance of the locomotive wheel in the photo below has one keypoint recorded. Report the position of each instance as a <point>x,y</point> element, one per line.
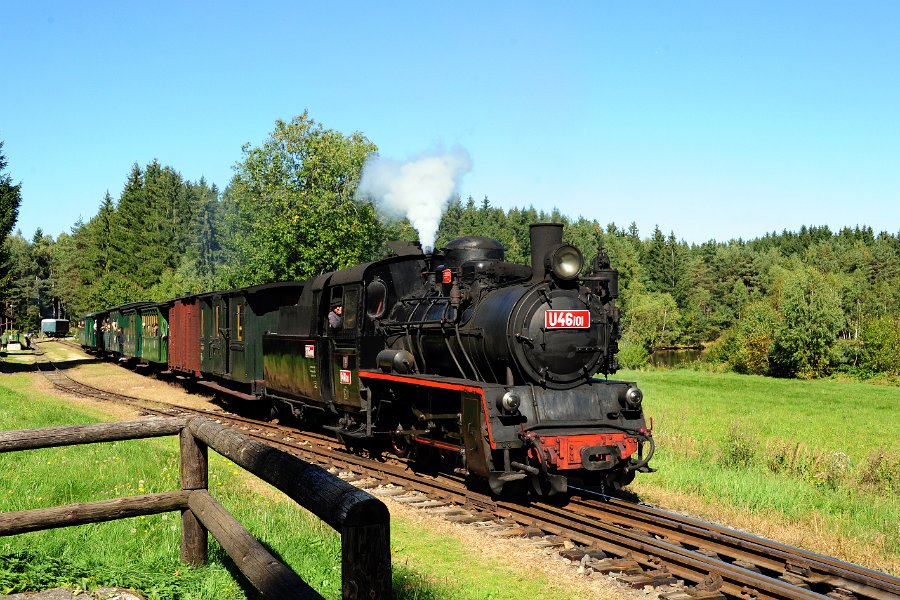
<point>401,445</point>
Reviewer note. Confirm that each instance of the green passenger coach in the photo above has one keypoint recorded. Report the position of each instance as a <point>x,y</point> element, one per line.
<point>232,324</point>
<point>155,333</point>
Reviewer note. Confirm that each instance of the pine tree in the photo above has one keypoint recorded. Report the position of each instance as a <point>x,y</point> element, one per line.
<point>10,199</point>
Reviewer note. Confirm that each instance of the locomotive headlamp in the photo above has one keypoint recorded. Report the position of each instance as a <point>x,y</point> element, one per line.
<point>634,397</point>
<point>510,402</point>
<point>565,262</point>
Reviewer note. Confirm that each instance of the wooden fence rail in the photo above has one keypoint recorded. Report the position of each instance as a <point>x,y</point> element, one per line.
<point>363,521</point>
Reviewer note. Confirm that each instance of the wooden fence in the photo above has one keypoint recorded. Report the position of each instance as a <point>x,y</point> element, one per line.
<point>363,521</point>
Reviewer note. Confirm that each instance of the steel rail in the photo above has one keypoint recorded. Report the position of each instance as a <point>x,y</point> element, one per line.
<point>814,569</point>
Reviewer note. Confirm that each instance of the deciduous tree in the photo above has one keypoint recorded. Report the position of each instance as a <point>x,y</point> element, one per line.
<point>291,212</point>
<point>811,314</point>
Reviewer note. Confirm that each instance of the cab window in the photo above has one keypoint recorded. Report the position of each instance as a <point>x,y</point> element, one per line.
<point>351,306</point>
<point>334,321</point>
<point>376,299</point>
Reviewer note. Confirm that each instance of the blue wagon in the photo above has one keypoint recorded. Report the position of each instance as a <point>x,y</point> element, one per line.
<point>55,327</point>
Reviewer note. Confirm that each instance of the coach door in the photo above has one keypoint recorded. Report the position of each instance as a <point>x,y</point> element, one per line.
<point>237,354</point>
<point>219,336</point>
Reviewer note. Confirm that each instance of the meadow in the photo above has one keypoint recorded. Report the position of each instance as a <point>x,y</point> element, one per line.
<point>820,455</point>
<point>142,553</point>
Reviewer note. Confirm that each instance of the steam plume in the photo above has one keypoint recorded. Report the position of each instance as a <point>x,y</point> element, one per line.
<point>418,189</point>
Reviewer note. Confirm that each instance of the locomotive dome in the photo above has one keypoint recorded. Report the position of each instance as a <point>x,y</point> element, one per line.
<point>472,248</point>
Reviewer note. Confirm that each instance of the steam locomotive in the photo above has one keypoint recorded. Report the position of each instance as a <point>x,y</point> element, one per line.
<point>488,365</point>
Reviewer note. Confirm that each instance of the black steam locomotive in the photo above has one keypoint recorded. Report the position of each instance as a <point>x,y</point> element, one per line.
<point>486,364</point>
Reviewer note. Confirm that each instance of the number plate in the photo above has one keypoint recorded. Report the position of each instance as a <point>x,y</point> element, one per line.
<point>567,319</point>
<point>345,377</point>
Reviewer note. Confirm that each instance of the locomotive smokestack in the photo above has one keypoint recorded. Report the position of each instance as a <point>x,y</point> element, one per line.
<point>543,237</point>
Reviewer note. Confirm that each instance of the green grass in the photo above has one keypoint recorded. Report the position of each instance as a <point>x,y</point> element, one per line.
<point>824,449</point>
<point>142,553</point>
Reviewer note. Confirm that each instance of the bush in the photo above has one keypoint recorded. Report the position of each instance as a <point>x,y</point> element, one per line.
<point>826,469</point>
<point>754,336</point>
<point>739,446</point>
<point>719,350</point>
<point>845,356</point>
<point>632,355</point>
<point>881,470</point>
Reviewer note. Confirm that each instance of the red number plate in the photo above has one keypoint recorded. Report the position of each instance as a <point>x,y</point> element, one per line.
<point>345,377</point>
<point>567,319</point>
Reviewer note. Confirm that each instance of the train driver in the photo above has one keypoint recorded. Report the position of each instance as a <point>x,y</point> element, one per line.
<point>335,317</point>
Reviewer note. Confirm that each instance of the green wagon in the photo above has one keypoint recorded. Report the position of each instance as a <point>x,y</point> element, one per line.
<point>232,325</point>
<point>127,318</point>
<point>155,333</point>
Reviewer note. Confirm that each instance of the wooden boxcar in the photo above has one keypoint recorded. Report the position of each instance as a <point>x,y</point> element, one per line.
<point>232,324</point>
<point>184,335</point>
<point>155,333</point>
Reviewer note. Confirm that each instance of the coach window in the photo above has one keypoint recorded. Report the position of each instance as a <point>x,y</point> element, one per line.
<point>216,320</point>
<point>202,322</point>
<point>239,326</point>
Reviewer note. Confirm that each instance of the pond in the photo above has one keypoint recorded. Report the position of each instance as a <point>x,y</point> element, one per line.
<point>671,359</point>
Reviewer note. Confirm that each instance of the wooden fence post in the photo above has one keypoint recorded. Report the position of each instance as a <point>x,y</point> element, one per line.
<point>194,476</point>
<point>366,562</point>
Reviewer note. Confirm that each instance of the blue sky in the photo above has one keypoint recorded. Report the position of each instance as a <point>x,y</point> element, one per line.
<point>709,119</point>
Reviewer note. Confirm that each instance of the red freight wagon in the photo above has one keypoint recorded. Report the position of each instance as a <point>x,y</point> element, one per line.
<point>184,335</point>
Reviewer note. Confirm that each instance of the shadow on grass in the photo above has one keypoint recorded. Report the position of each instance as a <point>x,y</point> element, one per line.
<point>15,367</point>
<point>406,583</point>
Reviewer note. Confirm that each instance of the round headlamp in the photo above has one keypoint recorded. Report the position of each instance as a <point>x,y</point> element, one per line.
<point>634,397</point>
<point>565,262</point>
<point>510,402</point>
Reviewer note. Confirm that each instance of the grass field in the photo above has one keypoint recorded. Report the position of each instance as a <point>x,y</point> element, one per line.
<point>142,553</point>
<point>816,454</point>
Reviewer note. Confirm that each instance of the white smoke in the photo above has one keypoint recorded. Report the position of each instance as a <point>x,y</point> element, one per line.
<point>418,189</point>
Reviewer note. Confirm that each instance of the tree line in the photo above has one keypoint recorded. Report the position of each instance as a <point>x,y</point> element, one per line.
<point>791,304</point>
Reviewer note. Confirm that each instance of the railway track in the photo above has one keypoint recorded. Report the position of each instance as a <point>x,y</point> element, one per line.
<point>680,557</point>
